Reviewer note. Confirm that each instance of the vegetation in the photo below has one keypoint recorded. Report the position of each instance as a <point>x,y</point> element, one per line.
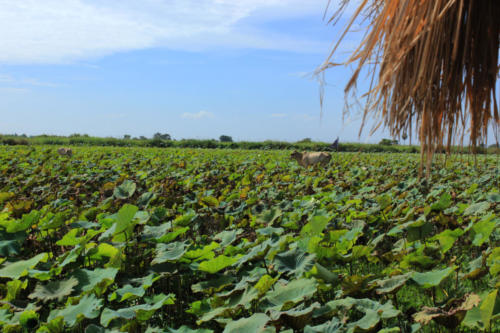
<point>85,140</point>
<point>182,240</point>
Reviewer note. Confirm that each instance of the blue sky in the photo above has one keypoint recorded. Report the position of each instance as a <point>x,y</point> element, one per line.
<point>190,68</point>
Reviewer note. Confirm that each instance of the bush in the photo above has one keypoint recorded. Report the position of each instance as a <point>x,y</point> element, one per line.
<point>225,138</point>
<point>388,142</point>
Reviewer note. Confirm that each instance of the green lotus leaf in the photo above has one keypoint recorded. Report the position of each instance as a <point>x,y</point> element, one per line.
<point>493,261</point>
<point>299,316</point>
<point>213,285</point>
<point>14,287</point>
<point>186,218</point>
<point>145,199</point>
<point>295,261</point>
<point>217,264</point>
<point>127,292</point>
<point>54,290</point>
<point>26,222</point>
<point>447,238</point>
<point>88,307</point>
<point>4,196</point>
<point>98,279</point>
<point>147,281</point>
<point>167,238</point>
<point>285,296</point>
<point>227,237</point>
<point>125,190</point>
<point>268,217</point>
<point>332,326</point>
<point>92,328</point>
<point>210,201</point>
<point>482,230</point>
<point>443,203</point>
<point>186,329</point>
<point>432,278</point>
<point>71,238</point>
<point>254,324</point>
<point>477,208</point>
<point>124,217</point>
<point>70,256</point>
<point>390,330</point>
<point>145,311</point>
<point>170,252</point>
<point>392,284</point>
<point>29,319</point>
<point>367,323</point>
<point>105,250</point>
<point>152,232</point>
<point>486,308</point>
<point>42,275</point>
<point>315,226</point>
<point>9,248</point>
<point>265,283</point>
<point>325,274</point>
<point>108,315</point>
<point>20,268</point>
<point>384,311</point>
<point>493,197</point>
<point>202,252</point>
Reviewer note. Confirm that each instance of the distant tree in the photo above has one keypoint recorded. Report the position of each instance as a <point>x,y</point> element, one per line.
<point>388,142</point>
<point>159,136</point>
<point>305,140</point>
<point>127,137</point>
<point>142,137</point>
<point>225,138</point>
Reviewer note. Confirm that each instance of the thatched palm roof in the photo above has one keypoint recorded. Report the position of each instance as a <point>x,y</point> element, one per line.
<point>435,66</point>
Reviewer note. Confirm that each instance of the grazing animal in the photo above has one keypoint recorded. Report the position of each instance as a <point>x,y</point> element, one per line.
<point>306,159</point>
<point>65,152</point>
<point>335,145</point>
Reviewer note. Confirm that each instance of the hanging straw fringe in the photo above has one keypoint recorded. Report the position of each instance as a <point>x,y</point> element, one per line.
<point>436,63</point>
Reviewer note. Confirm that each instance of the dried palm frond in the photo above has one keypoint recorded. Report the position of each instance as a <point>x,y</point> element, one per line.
<point>435,64</point>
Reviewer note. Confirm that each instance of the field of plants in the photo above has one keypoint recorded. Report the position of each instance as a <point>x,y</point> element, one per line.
<point>191,240</point>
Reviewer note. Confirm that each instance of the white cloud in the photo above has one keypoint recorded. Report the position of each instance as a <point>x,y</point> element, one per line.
<point>197,115</point>
<point>24,81</point>
<point>278,115</point>
<point>58,31</point>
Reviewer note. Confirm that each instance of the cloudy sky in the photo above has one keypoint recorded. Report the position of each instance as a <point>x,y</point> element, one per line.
<point>190,68</point>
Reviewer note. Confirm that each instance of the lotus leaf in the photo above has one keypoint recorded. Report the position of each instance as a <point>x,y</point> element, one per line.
<point>20,268</point>
<point>87,307</point>
<point>253,324</point>
<point>54,290</point>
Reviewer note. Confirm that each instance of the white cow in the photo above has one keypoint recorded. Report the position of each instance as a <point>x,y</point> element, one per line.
<point>306,158</point>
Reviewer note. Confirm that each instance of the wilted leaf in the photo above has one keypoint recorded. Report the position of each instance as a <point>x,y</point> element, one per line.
<point>451,314</point>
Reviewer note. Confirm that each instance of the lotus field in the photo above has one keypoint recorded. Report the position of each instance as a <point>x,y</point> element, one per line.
<point>179,240</point>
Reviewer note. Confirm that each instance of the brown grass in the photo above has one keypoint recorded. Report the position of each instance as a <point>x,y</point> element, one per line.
<point>434,65</point>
